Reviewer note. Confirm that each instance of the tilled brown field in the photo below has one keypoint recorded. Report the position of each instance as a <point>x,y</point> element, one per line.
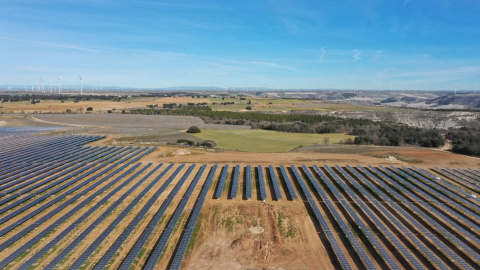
<point>115,207</point>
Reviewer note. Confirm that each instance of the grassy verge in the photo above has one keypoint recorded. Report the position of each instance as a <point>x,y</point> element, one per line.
<point>251,140</point>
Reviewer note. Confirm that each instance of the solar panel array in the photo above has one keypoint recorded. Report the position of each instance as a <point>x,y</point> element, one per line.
<point>248,182</point>
<point>273,178</point>
<point>66,205</point>
<point>261,183</point>
<point>234,189</point>
<point>221,182</point>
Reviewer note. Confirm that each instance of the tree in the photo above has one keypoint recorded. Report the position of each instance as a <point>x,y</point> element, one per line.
<point>249,108</point>
<point>193,129</point>
<point>89,109</point>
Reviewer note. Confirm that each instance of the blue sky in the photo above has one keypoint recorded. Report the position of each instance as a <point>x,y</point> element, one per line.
<point>367,44</point>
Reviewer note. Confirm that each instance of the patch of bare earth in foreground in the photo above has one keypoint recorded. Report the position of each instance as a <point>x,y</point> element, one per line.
<point>256,235</point>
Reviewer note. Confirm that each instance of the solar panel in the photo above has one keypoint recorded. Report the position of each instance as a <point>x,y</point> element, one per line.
<point>127,262</point>
<point>439,227</point>
<point>392,218</point>
<point>286,178</point>
<point>344,227</point>
<point>234,190</point>
<point>261,183</point>
<point>185,239</point>
<point>248,182</point>
<point>276,188</point>
<point>161,244</point>
<point>323,223</point>
<point>221,183</point>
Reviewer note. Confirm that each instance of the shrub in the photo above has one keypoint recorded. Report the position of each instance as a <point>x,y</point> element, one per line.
<point>193,129</point>
<point>184,141</point>
<point>209,144</point>
<point>89,109</point>
<point>248,108</point>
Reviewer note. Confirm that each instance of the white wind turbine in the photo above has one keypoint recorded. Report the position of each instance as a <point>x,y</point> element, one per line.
<point>43,84</point>
<point>59,85</point>
<point>81,85</point>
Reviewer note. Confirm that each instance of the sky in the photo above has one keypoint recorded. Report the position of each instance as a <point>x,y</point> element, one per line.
<point>279,44</point>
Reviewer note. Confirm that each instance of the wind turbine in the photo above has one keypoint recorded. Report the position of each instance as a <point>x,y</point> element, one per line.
<point>59,85</point>
<point>81,85</point>
<point>42,84</point>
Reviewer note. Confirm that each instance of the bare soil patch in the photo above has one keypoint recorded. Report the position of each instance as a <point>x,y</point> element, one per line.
<point>226,242</point>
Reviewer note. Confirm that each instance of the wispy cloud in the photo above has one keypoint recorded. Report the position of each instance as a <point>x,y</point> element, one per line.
<point>66,46</point>
<point>274,65</point>
<point>322,55</point>
<point>259,63</point>
<point>356,55</point>
<point>377,55</point>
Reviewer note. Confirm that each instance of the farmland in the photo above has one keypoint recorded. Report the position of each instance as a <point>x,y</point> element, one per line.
<point>67,201</point>
<point>267,141</point>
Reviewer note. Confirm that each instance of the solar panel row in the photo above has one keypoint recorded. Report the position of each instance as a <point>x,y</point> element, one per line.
<point>185,239</point>
<point>248,182</point>
<point>132,254</point>
<point>51,193</point>
<point>440,188</point>
<point>391,217</point>
<point>61,207</point>
<point>234,190</point>
<point>457,179</point>
<point>276,188</point>
<point>162,242</point>
<point>102,236</point>
<point>426,204</point>
<point>342,259</point>
<point>103,262</point>
<point>261,183</point>
<point>441,182</point>
<point>424,215</point>
<point>343,225</point>
<point>433,194</point>
<point>221,183</point>
<point>63,195</point>
<point>288,183</point>
<point>84,256</point>
<point>392,263</point>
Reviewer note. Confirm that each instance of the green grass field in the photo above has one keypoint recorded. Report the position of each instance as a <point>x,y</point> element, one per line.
<point>253,140</point>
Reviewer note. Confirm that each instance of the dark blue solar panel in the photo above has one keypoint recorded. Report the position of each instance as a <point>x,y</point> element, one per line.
<point>248,182</point>
<point>127,262</point>
<point>182,247</point>
<point>138,217</point>
<point>234,190</point>
<point>261,183</point>
<point>286,178</point>
<point>351,236</point>
<point>162,242</point>
<point>323,223</point>
<point>221,183</point>
<point>276,188</point>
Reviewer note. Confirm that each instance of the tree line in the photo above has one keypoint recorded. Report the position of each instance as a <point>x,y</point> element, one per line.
<point>365,130</point>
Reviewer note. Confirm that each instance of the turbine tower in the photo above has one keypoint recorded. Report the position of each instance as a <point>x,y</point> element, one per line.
<point>42,85</point>
<point>59,85</point>
<point>81,85</point>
